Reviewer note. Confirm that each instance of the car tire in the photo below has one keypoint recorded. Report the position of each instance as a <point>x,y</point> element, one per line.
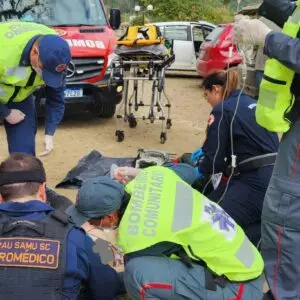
<point>106,110</point>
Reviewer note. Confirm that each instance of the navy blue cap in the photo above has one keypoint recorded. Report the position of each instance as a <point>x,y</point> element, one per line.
<point>97,197</point>
<point>55,55</point>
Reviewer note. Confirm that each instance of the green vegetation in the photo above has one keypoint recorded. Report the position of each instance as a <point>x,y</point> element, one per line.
<point>189,10</point>
<point>215,11</point>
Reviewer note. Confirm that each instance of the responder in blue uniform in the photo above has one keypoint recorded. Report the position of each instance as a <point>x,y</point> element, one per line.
<point>244,197</point>
<point>31,55</point>
<point>281,211</point>
<point>42,255</point>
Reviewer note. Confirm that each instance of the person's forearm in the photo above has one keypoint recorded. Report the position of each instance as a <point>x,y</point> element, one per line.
<point>55,108</point>
<point>283,48</point>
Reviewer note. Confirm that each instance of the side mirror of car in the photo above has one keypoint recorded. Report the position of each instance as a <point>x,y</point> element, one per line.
<point>115,18</point>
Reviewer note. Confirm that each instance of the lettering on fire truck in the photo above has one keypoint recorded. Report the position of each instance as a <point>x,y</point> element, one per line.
<point>85,44</point>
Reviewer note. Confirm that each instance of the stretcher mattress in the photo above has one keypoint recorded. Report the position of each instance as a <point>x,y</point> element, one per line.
<point>159,51</point>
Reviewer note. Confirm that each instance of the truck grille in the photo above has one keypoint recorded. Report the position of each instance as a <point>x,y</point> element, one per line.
<point>84,68</point>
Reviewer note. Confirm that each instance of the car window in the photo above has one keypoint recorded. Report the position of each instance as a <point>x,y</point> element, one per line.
<point>54,12</point>
<point>214,35</point>
<point>198,34</point>
<point>176,32</point>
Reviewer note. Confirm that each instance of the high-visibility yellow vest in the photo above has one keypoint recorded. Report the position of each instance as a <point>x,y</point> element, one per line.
<point>164,208</point>
<point>275,97</point>
<point>18,82</point>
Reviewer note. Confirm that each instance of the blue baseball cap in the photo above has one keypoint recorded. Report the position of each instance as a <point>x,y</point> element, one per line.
<point>97,197</point>
<point>55,55</point>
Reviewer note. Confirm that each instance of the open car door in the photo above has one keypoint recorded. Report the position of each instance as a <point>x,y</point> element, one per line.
<point>182,46</point>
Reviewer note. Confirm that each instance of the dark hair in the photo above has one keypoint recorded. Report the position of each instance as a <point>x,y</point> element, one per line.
<point>228,80</point>
<point>20,162</point>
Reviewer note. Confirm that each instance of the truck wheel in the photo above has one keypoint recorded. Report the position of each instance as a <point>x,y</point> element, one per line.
<point>106,110</point>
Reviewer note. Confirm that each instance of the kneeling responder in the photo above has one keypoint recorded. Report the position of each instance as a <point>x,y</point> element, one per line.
<point>232,129</point>
<point>42,255</point>
<point>91,201</point>
<point>177,243</point>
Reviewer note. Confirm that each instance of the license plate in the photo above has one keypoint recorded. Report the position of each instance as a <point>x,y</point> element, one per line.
<point>73,93</point>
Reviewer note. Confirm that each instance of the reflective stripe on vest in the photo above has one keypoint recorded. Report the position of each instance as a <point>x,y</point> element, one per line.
<point>19,72</point>
<point>184,206</point>
<point>245,254</point>
<point>295,17</point>
<point>275,98</point>
<point>2,92</point>
<point>163,208</point>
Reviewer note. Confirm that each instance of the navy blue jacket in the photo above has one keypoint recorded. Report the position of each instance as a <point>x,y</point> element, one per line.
<point>249,139</point>
<point>83,265</point>
<point>55,100</point>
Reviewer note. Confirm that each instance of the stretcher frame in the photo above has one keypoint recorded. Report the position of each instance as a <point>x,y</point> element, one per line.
<point>141,67</point>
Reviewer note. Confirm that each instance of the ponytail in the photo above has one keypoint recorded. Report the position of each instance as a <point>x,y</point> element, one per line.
<point>228,80</point>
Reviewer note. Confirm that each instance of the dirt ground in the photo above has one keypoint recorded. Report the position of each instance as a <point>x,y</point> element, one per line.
<point>77,136</point>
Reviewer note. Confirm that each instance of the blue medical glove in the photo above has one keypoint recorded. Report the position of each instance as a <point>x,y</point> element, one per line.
<point>196,155</point>
<point>198,173</point>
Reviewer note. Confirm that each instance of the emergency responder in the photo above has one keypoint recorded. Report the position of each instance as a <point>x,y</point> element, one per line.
<point>88,212</point>
<point>281,211</point>
<point>42,256</point>
<point>32,55</point>
<point>166,217</point>
<point>255,149</point>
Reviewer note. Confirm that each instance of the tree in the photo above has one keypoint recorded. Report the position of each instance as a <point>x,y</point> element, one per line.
<point>16,9</point>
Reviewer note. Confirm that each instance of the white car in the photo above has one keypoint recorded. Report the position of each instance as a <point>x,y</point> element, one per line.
<point>187,38</point>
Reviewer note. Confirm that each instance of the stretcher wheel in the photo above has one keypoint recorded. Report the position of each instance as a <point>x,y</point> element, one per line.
<point>169,123</point>
<point>152,119</point>
<point>163,137</point>
<point>132,122</point>
<point>120,135</point>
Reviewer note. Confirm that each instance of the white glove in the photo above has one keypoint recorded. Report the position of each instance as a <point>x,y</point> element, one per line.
<point>48,143</point>
<point>125,174</point>
<point>15,117</point>
<point>250,31</point>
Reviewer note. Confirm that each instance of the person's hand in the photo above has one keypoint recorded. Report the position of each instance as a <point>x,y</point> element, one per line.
<point>125,174</point>
<point>198,173</point>
<point>250,31</point>
<point>15,117</point>
<point>196,155</point>
<point>48,144</point>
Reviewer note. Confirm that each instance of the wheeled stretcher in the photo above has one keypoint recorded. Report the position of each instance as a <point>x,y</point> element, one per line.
<point>142,55</point>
